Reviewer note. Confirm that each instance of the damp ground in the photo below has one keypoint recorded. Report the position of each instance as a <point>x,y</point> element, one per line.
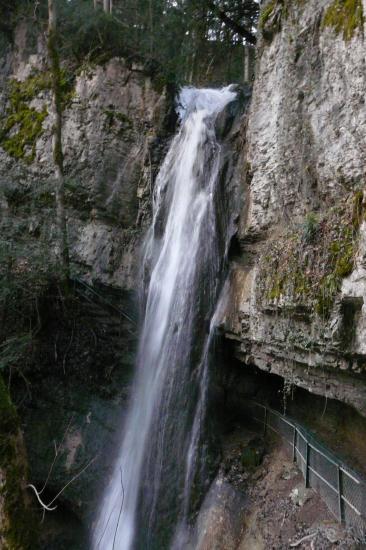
<point>258,501</point>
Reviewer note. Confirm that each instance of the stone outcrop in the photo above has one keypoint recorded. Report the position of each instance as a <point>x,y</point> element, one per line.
<point>296,304</point>
<point>115,125</point>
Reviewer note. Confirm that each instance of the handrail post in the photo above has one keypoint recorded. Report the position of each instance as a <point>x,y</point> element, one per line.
<point>294,445</point>
<point>340,501</point>
<point>307,465</point>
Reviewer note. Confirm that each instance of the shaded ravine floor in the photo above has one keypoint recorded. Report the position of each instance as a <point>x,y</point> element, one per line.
<point>266,506</point>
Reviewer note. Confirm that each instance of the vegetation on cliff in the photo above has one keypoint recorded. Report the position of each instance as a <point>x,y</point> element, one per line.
<point>22,124</point>
<point>345,17</point>
<point>267,12</point>
<point>27,269</point>
<point>180,41</point>
<point>305,267</point>
<point>273,13</point>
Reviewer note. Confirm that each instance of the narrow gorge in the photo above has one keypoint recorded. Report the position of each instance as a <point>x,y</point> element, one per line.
<point>197,378</point>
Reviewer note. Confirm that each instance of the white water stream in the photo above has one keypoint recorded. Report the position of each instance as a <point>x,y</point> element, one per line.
<point>160,463</point>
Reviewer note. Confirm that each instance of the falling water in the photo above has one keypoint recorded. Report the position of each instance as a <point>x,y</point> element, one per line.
<point>161,465</point>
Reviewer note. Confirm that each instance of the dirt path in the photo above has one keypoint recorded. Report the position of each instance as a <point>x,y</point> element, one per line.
<point>276,512</point>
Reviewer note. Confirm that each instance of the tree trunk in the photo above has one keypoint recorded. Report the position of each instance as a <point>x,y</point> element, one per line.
<point>54,62</point>
<point>151,23</point>
<point>107,6</point>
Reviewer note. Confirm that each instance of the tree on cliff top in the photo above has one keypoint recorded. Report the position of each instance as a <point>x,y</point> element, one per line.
<point>54,63</point>
<point>191,40</point>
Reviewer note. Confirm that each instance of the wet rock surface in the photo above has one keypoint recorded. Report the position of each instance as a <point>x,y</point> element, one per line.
<point>302,157</point>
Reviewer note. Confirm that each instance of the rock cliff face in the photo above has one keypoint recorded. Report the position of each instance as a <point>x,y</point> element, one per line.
<point>298,279</point>
<point>114,125</point>
<point>296,300</point>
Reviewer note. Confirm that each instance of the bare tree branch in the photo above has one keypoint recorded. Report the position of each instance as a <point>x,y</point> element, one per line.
<point>73,479</point>
<point>57,451</point>
<point>49,506</point>
<point>44,506</point>
<point>233,25</point>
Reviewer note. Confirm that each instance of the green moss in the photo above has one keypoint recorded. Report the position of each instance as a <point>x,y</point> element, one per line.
<point>31,87</point>
<point>345,260</point>
<point>18,527</point>
<point>301,284</point>
<point>328,287</point>
<point>266,14</point>
<point>276,289</point>
<point>310,227</point>
<point>22,125</point>
<point>272,15</point>
<point>344,16</point>
<point>28,123</point>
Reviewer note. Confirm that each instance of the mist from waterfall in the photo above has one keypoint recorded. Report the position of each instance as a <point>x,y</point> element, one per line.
<point>162,463</point>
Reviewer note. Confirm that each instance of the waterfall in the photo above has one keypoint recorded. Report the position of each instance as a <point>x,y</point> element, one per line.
<point>161,466</point>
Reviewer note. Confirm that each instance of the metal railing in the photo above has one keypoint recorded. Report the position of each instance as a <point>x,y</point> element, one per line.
<point>343,490</point>
<point>90,290</point>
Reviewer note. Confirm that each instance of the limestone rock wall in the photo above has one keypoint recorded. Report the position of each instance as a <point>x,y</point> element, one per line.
<point>115,125</point>
<point>304,160</point>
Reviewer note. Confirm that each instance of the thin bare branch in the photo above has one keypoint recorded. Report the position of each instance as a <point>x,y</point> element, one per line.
<point>57,451</point>
<point>73,479</point>
<point>120,510</point>
<point>44,506</point>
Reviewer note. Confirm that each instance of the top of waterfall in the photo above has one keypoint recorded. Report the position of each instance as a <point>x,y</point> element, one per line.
<point>211,100</point>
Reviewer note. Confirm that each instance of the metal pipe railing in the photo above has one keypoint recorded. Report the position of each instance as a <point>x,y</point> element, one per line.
<point>92,290</point>
<point>351,508</point>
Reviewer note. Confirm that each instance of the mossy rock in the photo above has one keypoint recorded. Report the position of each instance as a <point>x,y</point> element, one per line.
<point>270,19</point>
<point>273,14</point>
<point>22,125</point>
<point>346,17</point>
<point>118,122</point>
